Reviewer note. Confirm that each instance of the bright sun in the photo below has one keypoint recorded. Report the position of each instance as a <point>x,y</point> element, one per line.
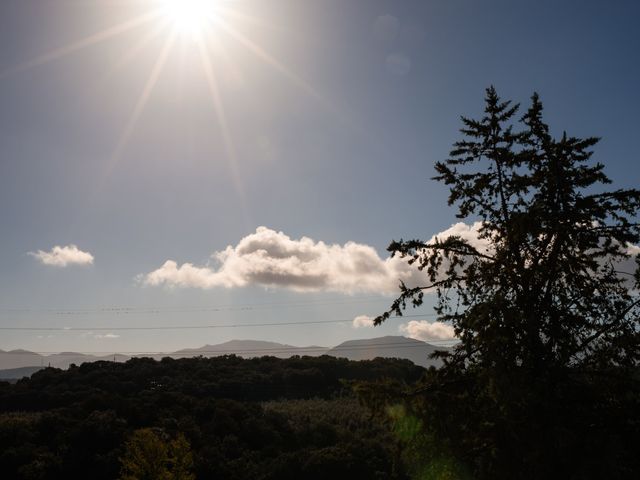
<point>189,16</point>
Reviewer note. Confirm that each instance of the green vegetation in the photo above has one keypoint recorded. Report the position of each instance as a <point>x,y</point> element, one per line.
<point>222,417</point>
<point>148,456</point>
<point>544,383</point>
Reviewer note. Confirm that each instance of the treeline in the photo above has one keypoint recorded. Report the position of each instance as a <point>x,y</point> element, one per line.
<point>261,418</point>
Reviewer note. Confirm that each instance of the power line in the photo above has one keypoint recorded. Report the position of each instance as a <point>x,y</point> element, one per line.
<point>293,350</point>
<point>189,327</point>
<point>128,310</point>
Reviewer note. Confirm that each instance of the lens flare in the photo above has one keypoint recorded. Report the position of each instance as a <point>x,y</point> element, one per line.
<point>189,17</point>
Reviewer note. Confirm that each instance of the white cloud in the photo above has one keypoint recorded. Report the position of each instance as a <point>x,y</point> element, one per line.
<point>272,259</point>
<point>425,331</point>
<point>362,321</point>
<point>99,336</point>
<point>629,265</point>
<point>106,336</point>
<point>469,233</point>
<point>386,27</point>
<point>269,258</point>
<point>63,256</point>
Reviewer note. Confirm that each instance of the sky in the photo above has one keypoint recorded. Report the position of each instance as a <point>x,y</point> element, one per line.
<point>244,166</point>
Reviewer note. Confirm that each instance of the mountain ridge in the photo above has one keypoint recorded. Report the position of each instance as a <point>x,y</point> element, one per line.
<point>390,346</point>
<point>362,349</point>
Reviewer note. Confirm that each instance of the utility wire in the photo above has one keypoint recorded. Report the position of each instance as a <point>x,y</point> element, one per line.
<point>127,310</point>
<point>189,327</point>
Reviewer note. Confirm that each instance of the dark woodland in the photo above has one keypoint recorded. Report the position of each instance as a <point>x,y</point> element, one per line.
<point>236,418</point>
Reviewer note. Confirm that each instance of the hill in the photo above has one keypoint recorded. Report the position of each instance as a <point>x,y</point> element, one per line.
<point>388,347</point>
<point>385,347</point>
<point>19,359</point>
<point>252,348</point>
<point>24,358</point>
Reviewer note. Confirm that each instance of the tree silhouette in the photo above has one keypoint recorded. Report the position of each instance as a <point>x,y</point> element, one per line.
<point>545,304</point>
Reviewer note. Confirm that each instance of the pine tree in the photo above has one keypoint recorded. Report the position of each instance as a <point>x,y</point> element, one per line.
<point>547,315</point>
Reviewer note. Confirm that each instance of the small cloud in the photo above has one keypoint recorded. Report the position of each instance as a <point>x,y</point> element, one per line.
<point>398,64</point>
<point>362,321</point>
<point>425,331</point>
<point>63,256</point>
<point>468,233</point>
<point>628,266</point>
<point>106,336</point>
<point>386,27</point>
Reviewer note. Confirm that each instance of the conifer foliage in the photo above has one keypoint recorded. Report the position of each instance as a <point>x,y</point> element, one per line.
<point>545,375</point>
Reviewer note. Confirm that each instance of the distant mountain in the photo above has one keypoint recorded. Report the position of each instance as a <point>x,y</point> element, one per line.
<point>64,359</point>
<point>18,373</point>
<point>390,347</point>
<point>24,358</point>
<point>19,358</point>
<point>252,348</point>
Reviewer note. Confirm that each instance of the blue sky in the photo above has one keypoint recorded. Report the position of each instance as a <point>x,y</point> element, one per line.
<point>334,113</point>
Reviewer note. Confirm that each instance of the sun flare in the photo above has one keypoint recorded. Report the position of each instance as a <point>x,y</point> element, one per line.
<point>189,17</point>
<point>206,24</point>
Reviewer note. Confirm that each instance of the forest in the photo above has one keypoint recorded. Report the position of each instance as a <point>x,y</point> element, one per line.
<point>222,417</point>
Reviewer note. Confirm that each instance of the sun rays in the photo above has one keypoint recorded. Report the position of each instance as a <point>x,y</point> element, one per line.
<point>197,24</point>
<point>85,42</point>
<point>144,96</point>
<point>189,17</point>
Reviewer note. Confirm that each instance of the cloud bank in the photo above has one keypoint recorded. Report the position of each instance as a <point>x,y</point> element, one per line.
<point>272,259</point>
<point>63,256</point>
<point>425,331</point>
